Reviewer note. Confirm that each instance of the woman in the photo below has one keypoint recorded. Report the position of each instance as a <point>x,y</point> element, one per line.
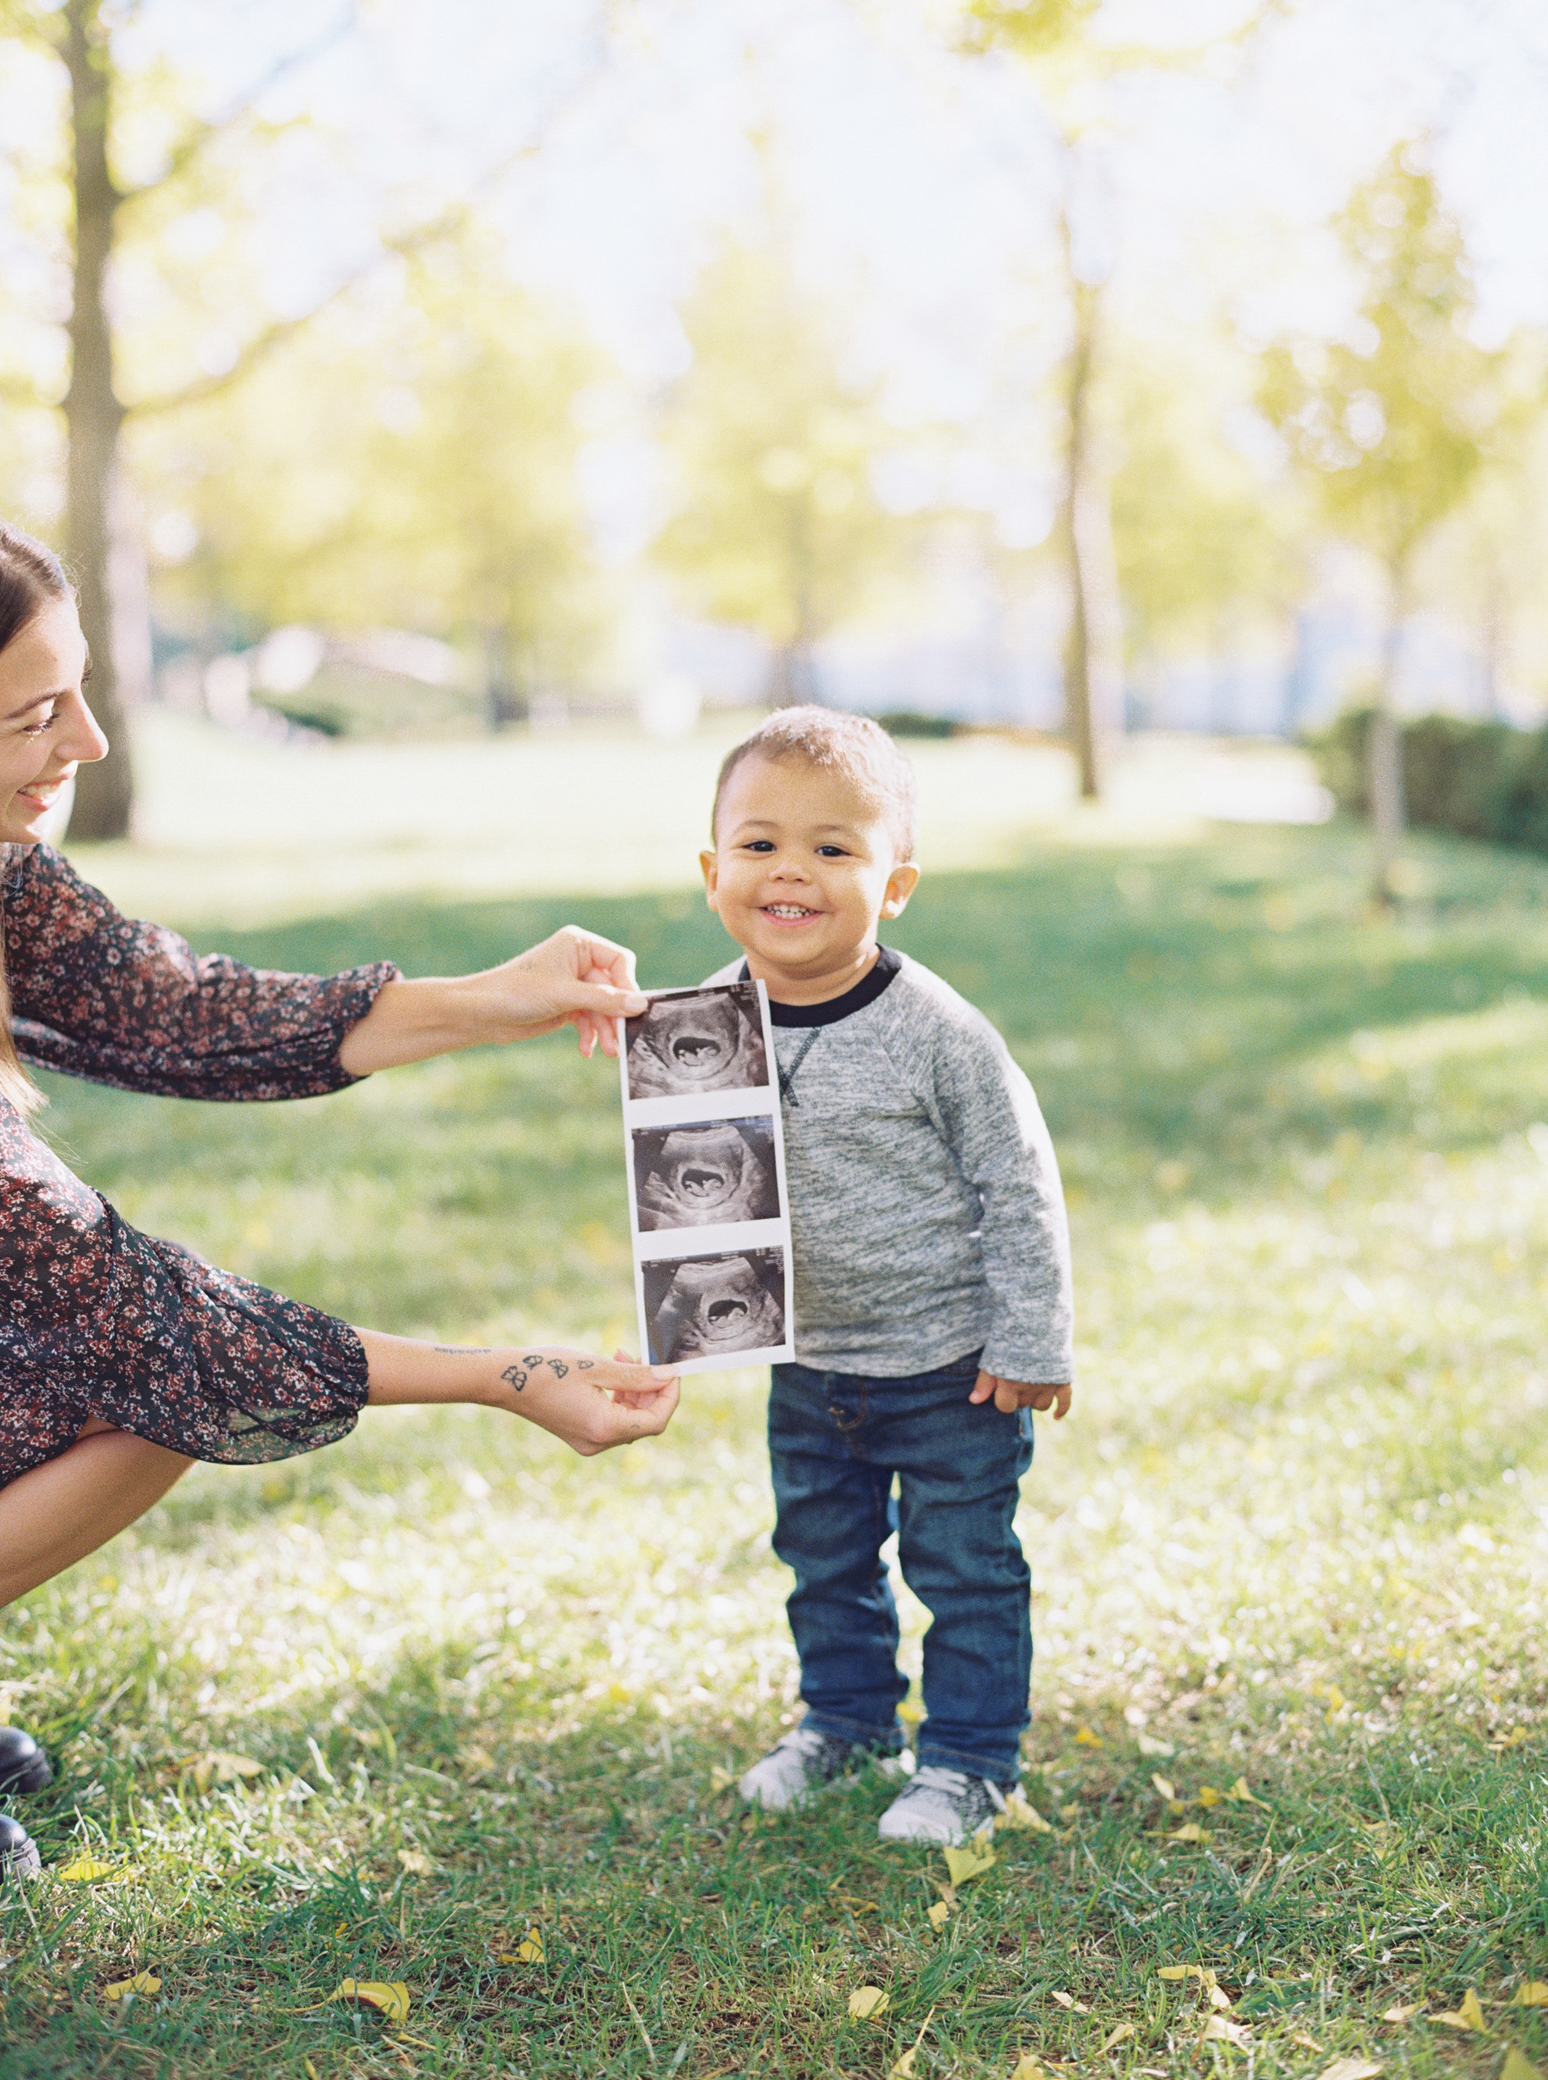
<point>124,1359</point>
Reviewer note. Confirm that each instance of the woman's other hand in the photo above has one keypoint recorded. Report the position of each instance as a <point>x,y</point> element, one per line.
<point>574,978</point>
<point>592,1403</point>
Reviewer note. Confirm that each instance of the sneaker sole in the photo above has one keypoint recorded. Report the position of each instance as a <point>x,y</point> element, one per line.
<point>23,1861</point>
<point>30,1775</point>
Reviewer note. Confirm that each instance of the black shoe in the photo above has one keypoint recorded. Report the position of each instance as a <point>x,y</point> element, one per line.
<point>18,1851</point>
<point>23,1765</point>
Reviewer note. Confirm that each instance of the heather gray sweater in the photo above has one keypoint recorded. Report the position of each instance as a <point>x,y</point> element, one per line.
<point>925,1210</point>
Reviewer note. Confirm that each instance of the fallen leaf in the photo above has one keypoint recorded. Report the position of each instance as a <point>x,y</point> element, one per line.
<point>1350,2069</point>
<point>1218,1998</point>
<point>216,1766</point>
<point>1306,2043</point>
<point>1020,1812</point>
<point>416,1862</point>
<point>1192,1832</point>
<point>1027,2068</point>
<point>1148,1746</point>
<point>1120,2035</point>
<point>391,1996</point>
<point>970,1861</point>
<point>1209,1796</point>
<point>1402,2011</point>
<point>530,1949</point>
<point>1165,1788</point>
<point>868,2003</point>
<point>1518,2066</point>
<point>1068,2000</point>
<point>85,1870</point>
<point>1531,1993</point>
<point>721,1780</point>
<point>1240,1792</point>
<point>1085,1738</point>
<point>902,2067</point>
<point>1513,1739</point>
<point>1068,1813</point>
<point>1468,2016</point>
<point>142,1982</point>
<point>940,1914</point>
<point>1218,2031</point>
<point>1201,1972</point>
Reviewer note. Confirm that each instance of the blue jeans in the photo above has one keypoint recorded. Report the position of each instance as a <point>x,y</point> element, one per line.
<point>836,1443</point>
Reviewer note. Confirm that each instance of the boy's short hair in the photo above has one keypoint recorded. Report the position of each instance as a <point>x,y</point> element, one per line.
<point>836,742</point>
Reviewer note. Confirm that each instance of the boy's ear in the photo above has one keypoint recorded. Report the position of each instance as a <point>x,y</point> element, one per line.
<point>901,883</point>
<point>707,868</point>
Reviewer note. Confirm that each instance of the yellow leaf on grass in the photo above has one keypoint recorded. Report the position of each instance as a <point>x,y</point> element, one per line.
<point>1020,1812</point>
<point>867,2003</point>
<point>216,1766</point>
<point>1085,1738</point>
<point>971,1860</point>
<point>940,1914</point>
<point>902,2067</point>
<point>1209,1796</point>
<point>1513,1739</point>
<point>1531,1993</point>
<point>1518,2066</point>
<point>1350,2069</point>
<point>85,1870</point>
<point>1148,1746</point>
<point>1218,2031</point>
<point>1401,2011</point>
<point>721,1780</point>
<point>1218,1998</point>
<point>1120,2035</point>
<point>390,1995</point>
<point>1306,2043</point>
<point>530,1949</point>
<point>142,1982</point>
<point>1027,2068</point>
<point>1186,1971</point>
<point>1068,2000</point>
<point>1240,1792</point>
<point>1192,1832</point>
<point>416,1862</point>
<point>1468,2015</point>
<point>1070,1812</point>
<point>1165,1787</point>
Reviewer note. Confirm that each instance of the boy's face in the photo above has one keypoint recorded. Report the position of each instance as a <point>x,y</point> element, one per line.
<point>803,868</point>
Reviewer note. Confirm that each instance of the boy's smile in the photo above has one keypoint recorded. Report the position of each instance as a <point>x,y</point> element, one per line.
<point>804,867</point>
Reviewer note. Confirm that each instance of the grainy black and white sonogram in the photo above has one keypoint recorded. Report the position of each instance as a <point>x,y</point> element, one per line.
<point>710,1307</point>
<point>705,1175</point>
<point>707,1040</point>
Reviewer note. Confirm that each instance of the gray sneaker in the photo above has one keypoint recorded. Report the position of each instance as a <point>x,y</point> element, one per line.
<point>941,1805</point>
<point>796,1768</point>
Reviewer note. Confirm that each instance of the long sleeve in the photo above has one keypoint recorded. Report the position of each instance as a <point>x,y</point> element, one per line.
<point>994,1127</point>
<point>105,997</point>
<point>97,1319</point>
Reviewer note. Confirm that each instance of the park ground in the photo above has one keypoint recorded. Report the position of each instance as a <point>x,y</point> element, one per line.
<point>449,1707</point>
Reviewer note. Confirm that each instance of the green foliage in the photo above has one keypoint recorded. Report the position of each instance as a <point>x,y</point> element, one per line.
<point>1392,424</point>
<point>413,466</point>
<point>776,527</point>
<point>1292,1528</point>
<point>1479,779</point>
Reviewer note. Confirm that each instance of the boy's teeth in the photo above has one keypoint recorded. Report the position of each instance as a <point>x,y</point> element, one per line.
<point>787,910</point>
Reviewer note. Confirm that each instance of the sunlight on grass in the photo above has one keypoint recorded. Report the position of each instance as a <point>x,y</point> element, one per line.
<point>1295,1536</point>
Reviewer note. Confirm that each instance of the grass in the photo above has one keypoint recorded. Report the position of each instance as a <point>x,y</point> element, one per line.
<point>1294,1535</point>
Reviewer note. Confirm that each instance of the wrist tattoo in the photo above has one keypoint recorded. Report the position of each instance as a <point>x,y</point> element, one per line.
<point>464,1350</point>
<point>516,1376</point>
<point>585,1364</point>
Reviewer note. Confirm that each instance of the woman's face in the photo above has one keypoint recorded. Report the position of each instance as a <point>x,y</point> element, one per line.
<point>46,728</point>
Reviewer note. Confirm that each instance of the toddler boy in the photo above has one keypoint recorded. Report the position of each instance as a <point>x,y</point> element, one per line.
<point>931,1282</point>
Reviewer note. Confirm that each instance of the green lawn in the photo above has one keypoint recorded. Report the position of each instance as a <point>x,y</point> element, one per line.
<point>1295,1534</point>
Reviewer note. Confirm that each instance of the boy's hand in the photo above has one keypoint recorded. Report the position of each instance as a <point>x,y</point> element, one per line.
<point>1011,1394</point>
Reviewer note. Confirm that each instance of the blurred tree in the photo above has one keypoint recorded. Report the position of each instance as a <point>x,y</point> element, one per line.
<point>408,460</point>
<point>1392,424</point>
<point>1072,65</point>
<point>776,526</point>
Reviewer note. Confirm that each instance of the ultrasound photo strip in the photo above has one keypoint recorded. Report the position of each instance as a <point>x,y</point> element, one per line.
<point>705,1162</point>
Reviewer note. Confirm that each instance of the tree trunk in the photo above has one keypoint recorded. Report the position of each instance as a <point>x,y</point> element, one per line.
<point>93,418</point>
<point>1385,756</point>
<point>792,682</point>
<point>1086,531</point>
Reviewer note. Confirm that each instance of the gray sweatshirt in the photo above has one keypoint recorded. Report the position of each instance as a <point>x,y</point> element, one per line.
<point>925,1210</point>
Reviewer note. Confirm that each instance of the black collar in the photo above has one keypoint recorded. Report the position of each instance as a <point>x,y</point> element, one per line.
<point>865,991</point>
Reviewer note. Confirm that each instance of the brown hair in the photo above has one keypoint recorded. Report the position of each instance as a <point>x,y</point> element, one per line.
<point>31,578</point>
<point>836,742</point>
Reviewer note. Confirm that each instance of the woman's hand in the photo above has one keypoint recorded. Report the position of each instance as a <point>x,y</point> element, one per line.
<point>574,978</point>
<point>592,1403</point>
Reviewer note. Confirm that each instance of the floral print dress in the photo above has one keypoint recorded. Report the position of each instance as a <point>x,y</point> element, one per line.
<point>97,1319</point>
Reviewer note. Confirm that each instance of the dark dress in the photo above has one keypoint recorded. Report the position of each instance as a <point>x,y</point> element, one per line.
<point>97,1319</point>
